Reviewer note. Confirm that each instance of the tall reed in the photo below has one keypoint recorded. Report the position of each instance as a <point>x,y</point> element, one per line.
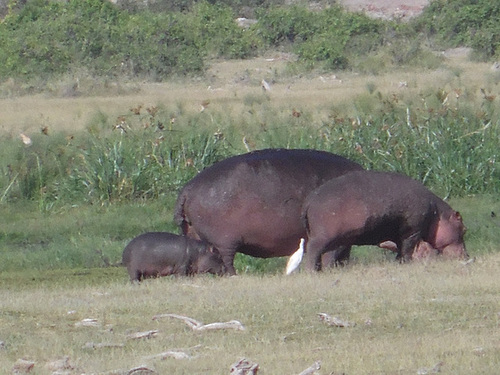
<point>449,144</point>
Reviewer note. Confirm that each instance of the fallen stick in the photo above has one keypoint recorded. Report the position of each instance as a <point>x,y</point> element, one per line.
<point>101,345</point>
<point>88,322</point>
<point>169,354</point>
<point>143,335</point>
<point>244,367</point>
<point>189,321</point>
<point>334,321</point>
<point>199,326</point>
<point>312,369</point>
<point>143,370</point>
<point>232,324</point>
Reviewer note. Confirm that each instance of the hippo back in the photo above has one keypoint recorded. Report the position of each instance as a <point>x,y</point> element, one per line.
<point>251,203</point>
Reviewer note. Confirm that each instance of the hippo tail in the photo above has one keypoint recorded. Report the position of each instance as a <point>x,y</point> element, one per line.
<point>179,214</point>
<point>305,221</point>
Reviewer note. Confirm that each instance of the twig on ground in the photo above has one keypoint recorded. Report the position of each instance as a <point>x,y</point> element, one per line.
<point>23,366</point>
<point>199,326</point>
<point>244,367</point>
<point>169,354</point>
<point>312,369</point>
<point>143,335</point>
<point>334,321</point>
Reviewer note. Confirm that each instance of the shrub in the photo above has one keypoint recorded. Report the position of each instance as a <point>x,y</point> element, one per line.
<point>215,31</point>
<point>47,38</point>
<point>471,23</point>
<point>326,38</point>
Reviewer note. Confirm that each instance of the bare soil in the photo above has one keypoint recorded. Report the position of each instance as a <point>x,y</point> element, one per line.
<point>387,9</point>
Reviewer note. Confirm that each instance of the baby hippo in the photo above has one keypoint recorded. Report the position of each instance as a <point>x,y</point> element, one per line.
<point>368,208</point>
<point>156,254</point>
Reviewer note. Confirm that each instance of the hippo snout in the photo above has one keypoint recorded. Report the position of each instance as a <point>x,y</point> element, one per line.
<point>455,251</point>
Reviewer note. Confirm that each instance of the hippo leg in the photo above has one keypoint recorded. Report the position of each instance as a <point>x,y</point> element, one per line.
<point>407,247</point>
<point>135,275</point>
<point>328,260</point>
<point>342,253</point>
<point>315,248</point>
<point>228,260</point>
<point>336,257</point>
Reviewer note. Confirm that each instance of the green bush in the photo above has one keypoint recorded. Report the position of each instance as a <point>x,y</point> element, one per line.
<point>471,23</point>
<point>46,38</point>
<point>327,37</point>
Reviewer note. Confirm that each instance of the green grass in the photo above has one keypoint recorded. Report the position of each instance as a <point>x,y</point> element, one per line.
<point>451,144</point>
<point>75,202</point>
<point>69,205</point>
<point>94,236</point>
<point>74,197</point>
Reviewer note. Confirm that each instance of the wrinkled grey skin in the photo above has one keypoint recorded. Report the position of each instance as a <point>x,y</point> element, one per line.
<point>251,203</point>
<point>156,254</point>
<point>368,208</point>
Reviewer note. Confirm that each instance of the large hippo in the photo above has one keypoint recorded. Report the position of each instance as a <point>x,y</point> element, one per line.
<point>155,254</point>
<point>368,208</point>
<point>251,203</point>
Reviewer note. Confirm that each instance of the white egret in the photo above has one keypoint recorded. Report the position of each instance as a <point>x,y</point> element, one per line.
<point>295,258</point>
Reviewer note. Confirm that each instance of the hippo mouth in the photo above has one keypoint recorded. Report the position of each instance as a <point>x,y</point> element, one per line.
<point>455,251</point>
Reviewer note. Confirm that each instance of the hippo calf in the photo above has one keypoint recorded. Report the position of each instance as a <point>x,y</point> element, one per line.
<point>368,208</point>
<point>251,203</point>
<point>156,254</point>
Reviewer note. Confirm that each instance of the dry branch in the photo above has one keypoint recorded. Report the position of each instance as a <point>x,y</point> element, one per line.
<point>189,321</point>
<point>312,369</point>
<point>244,367</point>
<point>199,326</point>
<point>59,365</point>
<point>334,321</point>
<point>140,370</point>
<point>23,366</point>
<point>232,324</point>
<point>101,345</point>
<point>434,370</point>
<point>143,370</point>
<point>176,354</point>
<point>89,322</point>
<point>143,335</point>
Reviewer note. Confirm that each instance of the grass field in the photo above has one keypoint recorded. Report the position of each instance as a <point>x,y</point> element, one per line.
<point>57,249</point>
<point>409,319</point>
<point>231,86</point>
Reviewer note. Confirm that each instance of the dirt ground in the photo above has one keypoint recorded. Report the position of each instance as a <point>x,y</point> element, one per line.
<point>387,9</point>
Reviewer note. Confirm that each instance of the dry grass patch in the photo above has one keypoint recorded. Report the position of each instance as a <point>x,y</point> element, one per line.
<point>408,318</point>
<point>233,87</point>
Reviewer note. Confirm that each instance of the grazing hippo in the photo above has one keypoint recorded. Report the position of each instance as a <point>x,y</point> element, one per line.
<point>251,203</point>
<point>156,254</point>
<point>368,208</point>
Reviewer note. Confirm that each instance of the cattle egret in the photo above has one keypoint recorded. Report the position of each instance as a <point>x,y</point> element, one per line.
<point>26,140</point>
<point>204,105</point>
<point>295,258</point>
<point>265,86</point>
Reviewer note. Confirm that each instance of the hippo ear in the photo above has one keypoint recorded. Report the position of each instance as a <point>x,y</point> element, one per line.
<point>213,250</point>
<point>458,218</point>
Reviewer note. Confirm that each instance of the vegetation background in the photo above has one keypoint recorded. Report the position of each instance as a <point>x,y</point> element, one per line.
<point>108,109</point>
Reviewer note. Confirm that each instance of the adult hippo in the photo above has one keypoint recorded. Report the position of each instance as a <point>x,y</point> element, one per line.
<point>155,254</point>
<point>251,203</point>
<point>368,208</point>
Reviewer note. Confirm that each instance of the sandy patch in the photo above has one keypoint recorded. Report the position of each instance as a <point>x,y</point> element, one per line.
<point>387,9</point>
